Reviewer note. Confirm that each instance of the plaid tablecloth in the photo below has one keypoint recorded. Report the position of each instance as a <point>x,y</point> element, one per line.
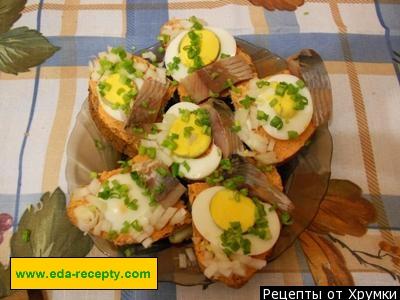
<point>357,39</point>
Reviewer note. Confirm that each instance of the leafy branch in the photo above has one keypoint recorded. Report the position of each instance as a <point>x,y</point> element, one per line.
<point>20,48</point>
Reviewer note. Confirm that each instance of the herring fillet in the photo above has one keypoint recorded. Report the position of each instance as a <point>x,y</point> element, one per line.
<point>214,77</point>
<point>148,103</point>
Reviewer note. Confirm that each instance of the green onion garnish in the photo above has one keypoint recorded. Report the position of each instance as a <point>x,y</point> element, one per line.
<point>247,101</point>
<point>280,88</point>
<point>185,114</point>
<point>163,172</point>
<point>261,83</point>
<point>273,102</point>
<point>300,83</point>
<point>292,134</point>
<point>187,131</point>
<point>262,116</point>
<point>186,166</point>
<point>276,122</point>
<point>175,169</point>
<point>286,218</point>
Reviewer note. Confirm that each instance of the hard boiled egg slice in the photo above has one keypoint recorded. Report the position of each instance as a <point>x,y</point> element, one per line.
<point>116,95</point>
<point>117,212</point>
<point>214,44</point>
<point>287,104</point>
<point>214,208</point>
<point>191,141</point>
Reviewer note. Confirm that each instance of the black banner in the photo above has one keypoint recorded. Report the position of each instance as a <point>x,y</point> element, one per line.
<point>329,293</point>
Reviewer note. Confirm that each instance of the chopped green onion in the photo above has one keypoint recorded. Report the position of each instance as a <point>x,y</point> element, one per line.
<point>151,152</point>
<point>137,130</point>
<point>187,99</point>
<point>236,127</point>
<point>224,55</point>
<point>262,116</point>
<point>169,142</point>
<point>112,235</point>
<point>164,38</point>
<point>286,218</point>
<point>232,239</point>
<point>300,83</point>
<point>159,189</point>
<point>213,95</point>
<point>196,23</point>
<point>175,169</point>
<point>280,88</point>
<point>93,175</point>
<point>135,225</point>
<point>292,90</point>
<point>247,101</point>
<point>119,51</point>
<point>229,84</point>
<point>185,114</point>
<point>174,65</point>
<point>163,172</point>
<point>142,150</point>
<point>292,134</point>
<point>273,102</point>
<point>276,122</point>
<point>225,164</point>
<point>244,191</point>
<point>125,227</point>
<point>187,131</point>
<point>131,203</point>
<point>120,91</point>
<point>261,83</point>
<point>186,166</point>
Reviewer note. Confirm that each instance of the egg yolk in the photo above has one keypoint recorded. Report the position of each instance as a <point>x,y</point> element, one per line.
<point>230,206</point>
<point>192,141</point>
<point>285,107</point>
<point>209,48</point>
<point>116,89</point>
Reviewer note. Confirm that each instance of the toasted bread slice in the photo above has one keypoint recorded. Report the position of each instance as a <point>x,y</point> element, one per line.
<point>122,238</point>
<point>284,149</point>
<point>201,244</point>
<point>183,93</point>
<point>123,140</point>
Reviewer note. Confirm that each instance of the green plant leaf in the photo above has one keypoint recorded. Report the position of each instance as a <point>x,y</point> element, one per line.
<point>45,231</point>
<point>10,12</point>
<point>22,48</point>
<point>4,281</point>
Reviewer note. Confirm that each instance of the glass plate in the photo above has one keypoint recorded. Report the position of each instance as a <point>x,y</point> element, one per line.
<point>305,177</point>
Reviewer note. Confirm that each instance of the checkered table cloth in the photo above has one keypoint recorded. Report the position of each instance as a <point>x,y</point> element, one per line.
<point>356,38</point>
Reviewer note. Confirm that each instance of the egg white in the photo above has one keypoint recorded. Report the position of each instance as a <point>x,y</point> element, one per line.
<point>299,122</point>
<point>199,167</point>
<point>116,212</point>
<point>205,224</point>
<point>227,46</point>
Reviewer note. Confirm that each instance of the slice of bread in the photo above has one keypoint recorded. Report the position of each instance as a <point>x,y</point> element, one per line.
<point>201,244</point>
<point>123,140</point>
<point>284,149</point>
<point>125,239</point>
